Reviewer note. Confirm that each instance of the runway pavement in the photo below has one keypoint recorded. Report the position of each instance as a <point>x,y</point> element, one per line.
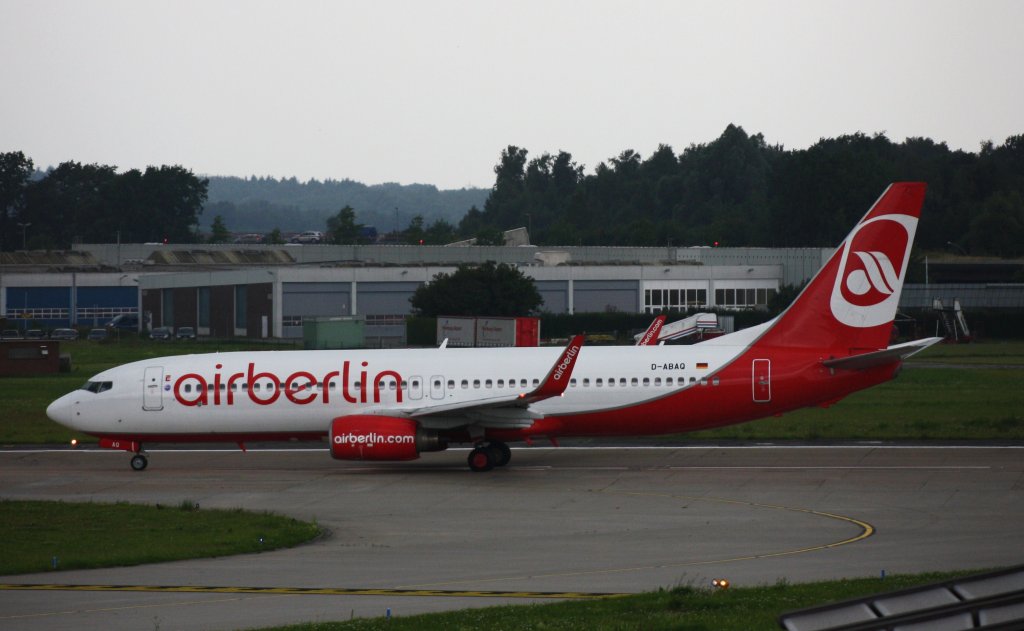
<point>584,520</point>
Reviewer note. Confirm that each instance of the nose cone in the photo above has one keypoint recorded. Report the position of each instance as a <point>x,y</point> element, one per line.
<point>60,410</point>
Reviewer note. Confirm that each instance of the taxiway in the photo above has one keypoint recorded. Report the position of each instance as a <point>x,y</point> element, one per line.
<point>430,535</point>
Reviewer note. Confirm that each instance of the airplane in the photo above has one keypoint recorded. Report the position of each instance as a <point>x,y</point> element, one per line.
<point>393,405</point>
<point>658,332</point>
<point>650,336</point>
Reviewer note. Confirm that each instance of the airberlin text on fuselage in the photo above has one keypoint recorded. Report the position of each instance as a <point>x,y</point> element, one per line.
<point>299,387</point>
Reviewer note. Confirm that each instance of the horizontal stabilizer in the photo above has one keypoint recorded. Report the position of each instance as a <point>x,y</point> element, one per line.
<point>882,357</point>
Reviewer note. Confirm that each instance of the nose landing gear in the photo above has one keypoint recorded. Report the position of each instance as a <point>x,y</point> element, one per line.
<point>138,461</point>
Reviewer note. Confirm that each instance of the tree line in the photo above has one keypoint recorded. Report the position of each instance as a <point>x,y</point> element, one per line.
<point>736,190</point>
<point>93,203</point>
<point>739,190</point>
<point>260,204</point>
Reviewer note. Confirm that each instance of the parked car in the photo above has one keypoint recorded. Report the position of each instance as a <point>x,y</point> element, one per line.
<point>309,236</point>
<point>64,334</point>
<point>97,335</point>
<point>186,333</point>
<point>34,334</point>
<point>249,238</point>
<point>126,321</point>
<point>162,333</point>
<point>10,334</point>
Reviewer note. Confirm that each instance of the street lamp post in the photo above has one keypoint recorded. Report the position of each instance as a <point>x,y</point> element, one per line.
<point>24,228</point>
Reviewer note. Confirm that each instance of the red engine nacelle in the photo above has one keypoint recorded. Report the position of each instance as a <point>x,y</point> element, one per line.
<point>363,437</point>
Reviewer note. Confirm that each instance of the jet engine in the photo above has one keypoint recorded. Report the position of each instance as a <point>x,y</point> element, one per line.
<point>366,437</point>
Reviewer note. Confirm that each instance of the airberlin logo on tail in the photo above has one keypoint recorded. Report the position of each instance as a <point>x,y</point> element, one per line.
<point>871,271</point>
<point>878,274</point>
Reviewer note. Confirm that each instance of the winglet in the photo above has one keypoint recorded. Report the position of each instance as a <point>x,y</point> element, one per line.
<point>650,336</point>
<point>557,379</point>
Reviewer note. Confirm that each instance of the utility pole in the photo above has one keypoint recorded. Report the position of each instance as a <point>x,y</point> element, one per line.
<point>24,229</point>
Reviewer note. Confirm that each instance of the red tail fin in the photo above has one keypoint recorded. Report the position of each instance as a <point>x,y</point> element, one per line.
<point>650,336</point>
<point>851,303</point>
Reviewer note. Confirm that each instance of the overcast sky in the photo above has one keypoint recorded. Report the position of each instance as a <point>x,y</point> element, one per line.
<point>431,92</point>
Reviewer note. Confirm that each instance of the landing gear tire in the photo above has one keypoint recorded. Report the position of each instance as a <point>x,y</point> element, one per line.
<point>139,462</point>
<point>481,459</point>
<point>502,453</point>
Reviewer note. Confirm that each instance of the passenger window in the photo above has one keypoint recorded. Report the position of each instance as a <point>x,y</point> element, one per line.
<point>635,383</point>
<point>611,382</point>
<point>668,381</point>
<point>451,384</point>
<point>572,382</point>
<point>657,381</point>
<point>536,382</point>
<point>647,382</point>
<point>488,384</point>
<point>714,381</point>
<point>476,383</point>
<point>501,383</point>
<point>598,382</point>
<point>703,381</point>
<point>586,382</point>
<point>693,379</point>
<point>465,384</point>
<point>622,381</point>
<point>522,383</point>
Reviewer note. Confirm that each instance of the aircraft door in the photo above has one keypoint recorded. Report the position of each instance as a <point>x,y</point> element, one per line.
<point>762,380</point>
<point>437,387</point>
<point>152,388</point>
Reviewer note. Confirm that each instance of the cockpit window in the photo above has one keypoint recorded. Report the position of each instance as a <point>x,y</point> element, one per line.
<point>97,386</point>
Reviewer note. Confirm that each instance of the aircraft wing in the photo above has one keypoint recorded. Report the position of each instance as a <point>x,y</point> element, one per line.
<point>885,356</point>
<point>508,410</point>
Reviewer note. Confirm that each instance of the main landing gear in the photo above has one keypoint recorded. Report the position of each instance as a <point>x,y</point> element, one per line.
<point>486,456</point>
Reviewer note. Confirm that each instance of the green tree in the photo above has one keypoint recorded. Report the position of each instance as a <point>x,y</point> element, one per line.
<point>439,233</point>
<point>218,231</point>
<point>489,289</point>
<point>274,237</point>
<point>999,228</point>
<point>15,171</point>
<point>414,233</point>
<point>490,236</point>
<point>342,228</point>
<point>172,201</point>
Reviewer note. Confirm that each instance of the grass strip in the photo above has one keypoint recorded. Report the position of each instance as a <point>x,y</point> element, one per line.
<point>685,608</point>
<point>35,536</point>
